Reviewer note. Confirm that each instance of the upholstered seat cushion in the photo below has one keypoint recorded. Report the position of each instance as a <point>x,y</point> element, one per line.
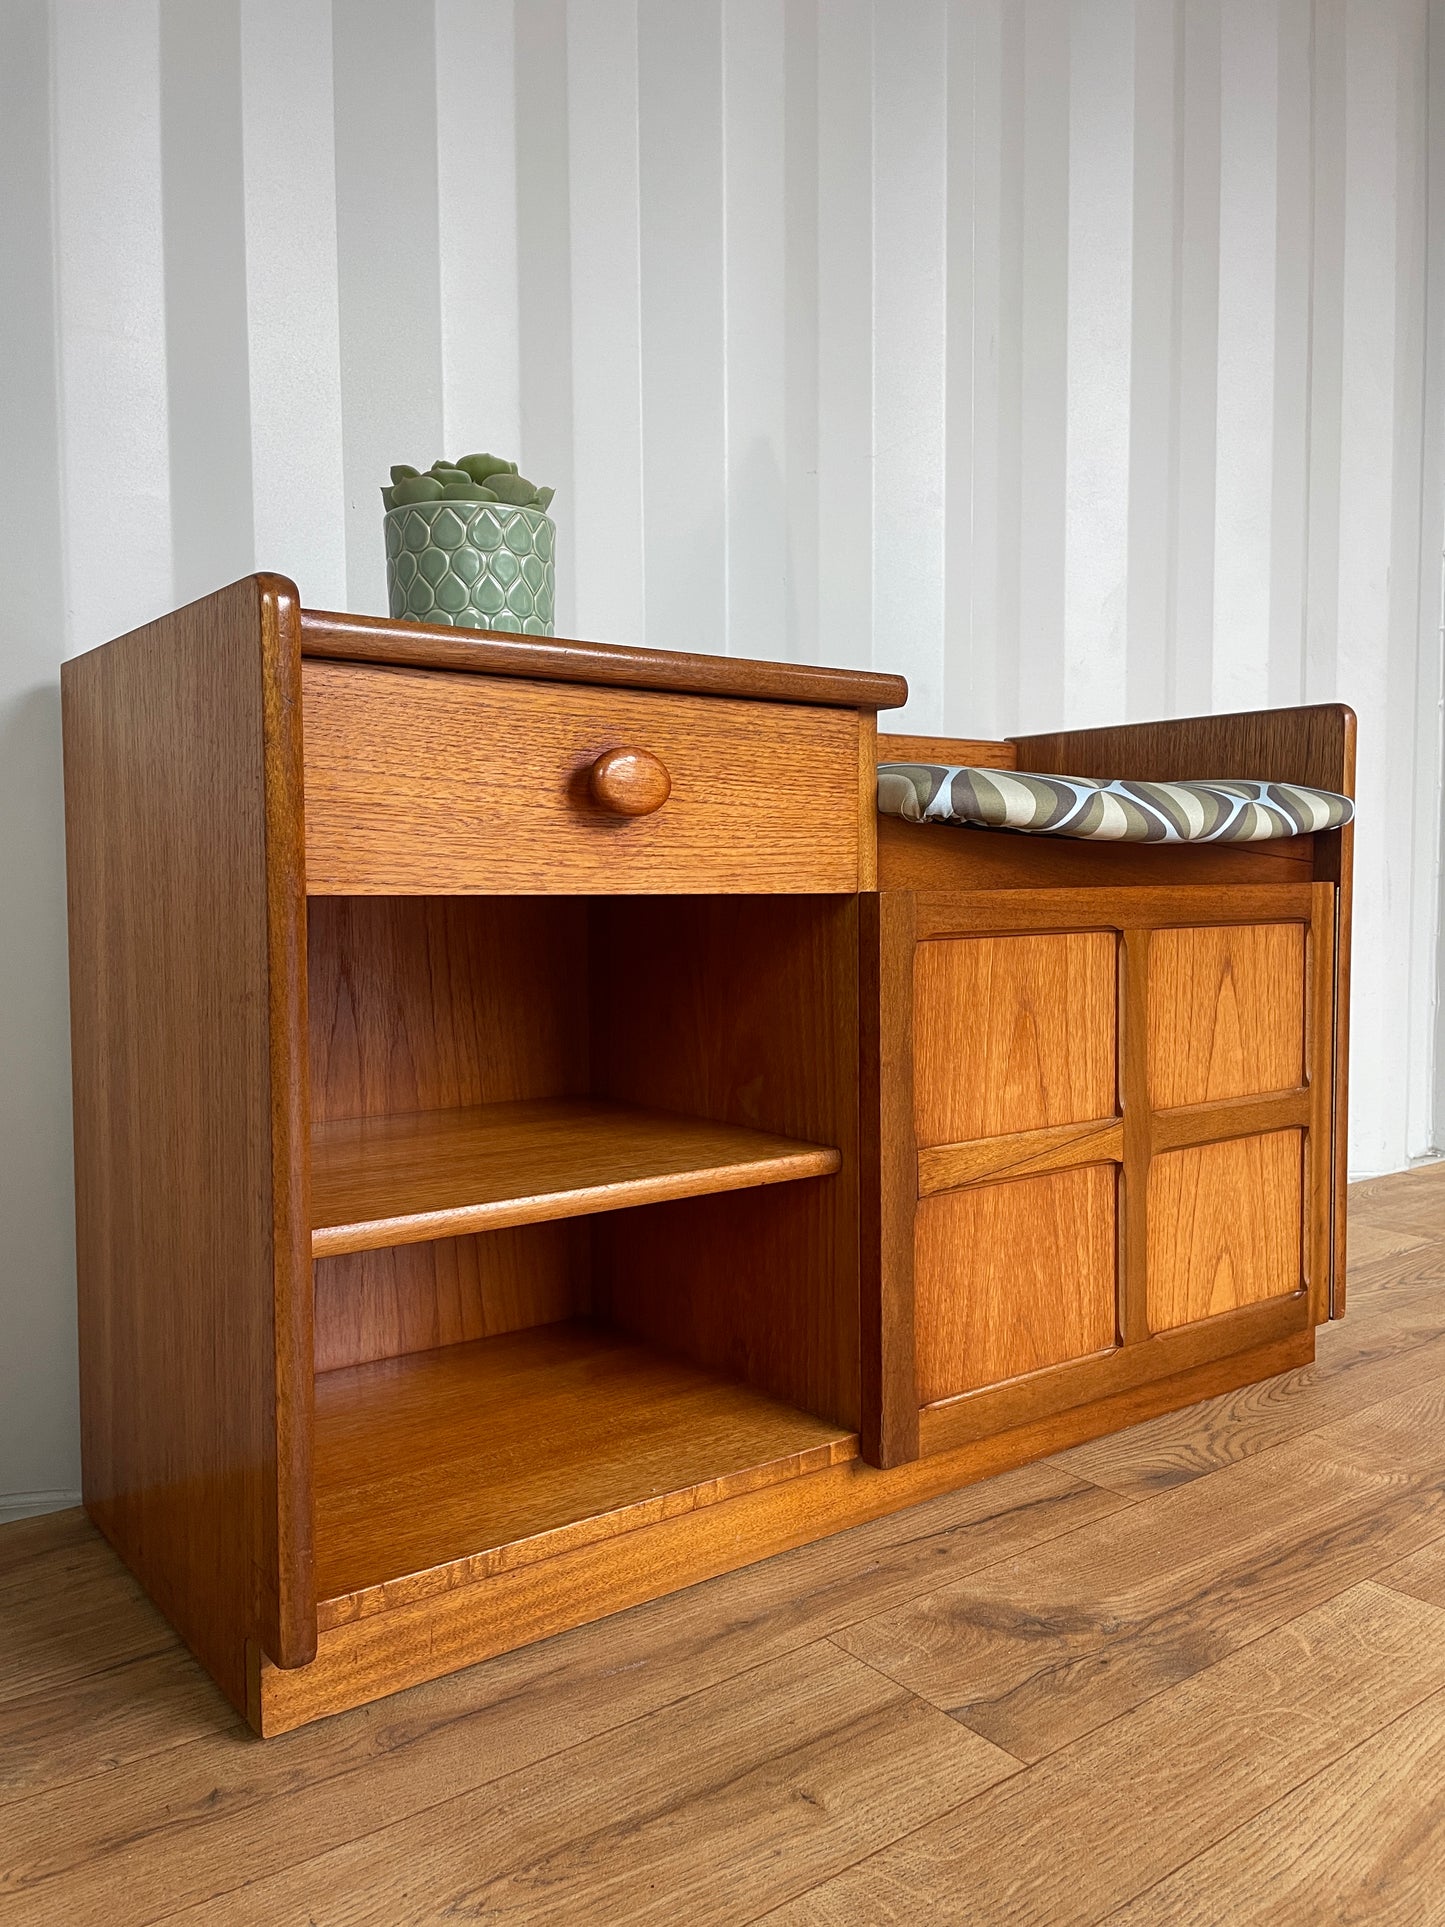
<point>1232,811</point>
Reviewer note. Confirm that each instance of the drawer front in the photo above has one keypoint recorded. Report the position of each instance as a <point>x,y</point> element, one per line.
<point>422,782</point>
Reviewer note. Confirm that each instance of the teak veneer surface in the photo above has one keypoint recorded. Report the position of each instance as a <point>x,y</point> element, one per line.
<point>967,752</point>
<point>743,1010</point>
<point>1022,1154</point>
<point>949,856</point>
<point>1313,744</point>
<point>437,1174</point>
<point>351,638</point>
<point>1183,1624</point>
<point>429,782</point>
<point>361,1657</point>
<point>1013,1277</point>
<point>1226,1011</point>
<point>412,1298</point>
<point>1013,1033</point>
<point>1224,1226</point>
<point>436,1003</point>
<point>483,1478</point>
<point>890,1186</point>
<point>188,1011</point>
<point>477,1457</point>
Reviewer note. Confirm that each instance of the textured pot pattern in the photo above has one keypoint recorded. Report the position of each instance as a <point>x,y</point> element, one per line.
<point>471,565</point>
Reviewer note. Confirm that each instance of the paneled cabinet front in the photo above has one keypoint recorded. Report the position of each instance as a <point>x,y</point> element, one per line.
<point>1106,1128</point>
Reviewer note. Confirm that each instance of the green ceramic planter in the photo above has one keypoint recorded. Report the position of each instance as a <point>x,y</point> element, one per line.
<point>472,565</point>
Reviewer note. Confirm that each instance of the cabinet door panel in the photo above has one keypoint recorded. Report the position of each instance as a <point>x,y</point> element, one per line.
<point>1226,1012</point>
<point>1013,1277</point>
<point>1224,1226</point>
<point>1013,1033</point>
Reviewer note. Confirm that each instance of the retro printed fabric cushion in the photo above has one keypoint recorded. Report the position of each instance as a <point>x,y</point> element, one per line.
<point>1232,811</point>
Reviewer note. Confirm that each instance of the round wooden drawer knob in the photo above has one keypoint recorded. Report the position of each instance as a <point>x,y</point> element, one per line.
<point>630,782</point>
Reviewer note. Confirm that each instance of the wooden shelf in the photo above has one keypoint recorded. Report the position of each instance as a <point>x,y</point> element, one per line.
<point>442,1468</point>
<point>438,1174</point>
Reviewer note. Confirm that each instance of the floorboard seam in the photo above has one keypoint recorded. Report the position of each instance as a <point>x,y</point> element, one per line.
<point>464,1792</point>
<point>1170,1686</point>
<point>1366,1739</point>
<point>934,1707</point>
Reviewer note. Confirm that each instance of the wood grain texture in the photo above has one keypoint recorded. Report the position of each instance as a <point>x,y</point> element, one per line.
<point>1187,1768</point>
<point>1315,744</point>
<point>778,1776</point>
<point>1334,863</point>
<point>1035,1654</point>
<point>967,752</point>
<point>421,1175</point>
<point>743,1011</point>
<point>1224,1227</point>
<point>1362,1840</point>
<point>435,1003</point>
<point>482,1457</point>
<point>423,782</point>
<point>943,856</point>
<point>1320,1018</point>
<point>1312,744</point>
<point>1393,1347</point>
<point>889,1180</point>
<point>943,1167</point>
<point>1138,1146</point>
<point>867,800</point>
<point>413,1298</point>
<point>188,1013</point>
<point>1014,1277</point>
<point>960,913</point>
<point>384,1652</point>
<point>1111,1378</point>
<point>181,1814</point>
<point>1232,1117</point>
<point>1247,1631</point>
<point>1013,1033</point>
<point>1226,1012</point>
<point>413,645</point>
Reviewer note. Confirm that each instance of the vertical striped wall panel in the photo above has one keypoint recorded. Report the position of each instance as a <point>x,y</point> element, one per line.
<point>1079,358</point>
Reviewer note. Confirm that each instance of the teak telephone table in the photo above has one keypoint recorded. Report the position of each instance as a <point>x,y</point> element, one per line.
<point>516,1180</point>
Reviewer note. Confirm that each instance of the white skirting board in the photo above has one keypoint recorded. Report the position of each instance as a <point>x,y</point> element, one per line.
<point>27,1505</point>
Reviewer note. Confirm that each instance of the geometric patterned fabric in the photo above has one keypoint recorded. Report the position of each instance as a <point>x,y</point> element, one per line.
<point>1121,811</point>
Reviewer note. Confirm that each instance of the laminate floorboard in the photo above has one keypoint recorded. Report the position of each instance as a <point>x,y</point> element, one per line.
<point>1361,1842</point>
<point>1151,1790</point>
<point>1360,1363</point>
<point>1034,1652</point>
<point>771,1779</point>
<point>154,1829</point>
<point>1191,1672</point>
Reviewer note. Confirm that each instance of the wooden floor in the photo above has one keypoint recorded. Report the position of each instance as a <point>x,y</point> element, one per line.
<point>1194,1673</point>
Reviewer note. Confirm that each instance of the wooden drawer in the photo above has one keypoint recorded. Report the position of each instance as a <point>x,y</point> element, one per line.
<point>425,782</point>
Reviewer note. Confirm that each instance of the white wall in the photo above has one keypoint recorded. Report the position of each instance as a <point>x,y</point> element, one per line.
<point>1070,356</point>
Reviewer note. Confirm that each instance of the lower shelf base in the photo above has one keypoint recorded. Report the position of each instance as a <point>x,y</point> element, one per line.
<point>385,1652</point>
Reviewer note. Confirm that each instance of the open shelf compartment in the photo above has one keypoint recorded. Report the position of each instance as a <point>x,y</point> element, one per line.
<point>446,1467</point>
<point>584,1196</point>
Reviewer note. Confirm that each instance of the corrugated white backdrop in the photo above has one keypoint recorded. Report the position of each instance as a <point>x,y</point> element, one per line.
<point>1079,358</point>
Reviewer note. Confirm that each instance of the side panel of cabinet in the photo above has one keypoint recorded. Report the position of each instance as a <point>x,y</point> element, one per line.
<point>188,1015</point>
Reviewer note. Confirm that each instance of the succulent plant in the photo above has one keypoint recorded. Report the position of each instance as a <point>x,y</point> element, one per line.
<point>473,478</point>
